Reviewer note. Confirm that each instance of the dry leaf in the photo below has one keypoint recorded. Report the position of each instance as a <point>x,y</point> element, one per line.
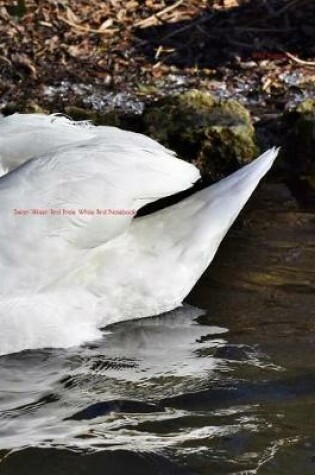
<point>106,24</point>
<point>131,5</point>
<point>23,60</point>
<point>72,17</point>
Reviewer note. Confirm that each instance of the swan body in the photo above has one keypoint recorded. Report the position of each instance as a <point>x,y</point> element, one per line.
<point>66,276</point>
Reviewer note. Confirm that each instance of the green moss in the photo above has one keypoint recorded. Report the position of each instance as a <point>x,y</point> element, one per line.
<point>306,107</point>
<point>217,135</point>
<point>300,147</point>
<point>107,118</point>
<point>309,180</point>
<point>28,107</point>
<point>146,89</point>
<point>34,108</point>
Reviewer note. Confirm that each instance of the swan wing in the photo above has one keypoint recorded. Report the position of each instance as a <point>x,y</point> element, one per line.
<point>151,268</point>
<point>25,136</point>
<point>117,176</point>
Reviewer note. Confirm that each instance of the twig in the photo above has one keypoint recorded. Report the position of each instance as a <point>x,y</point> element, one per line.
<point>6,60</point>
<point>281,11</point>
<point>288,6</point>
<point>300,61</point>
<point>156,16</point>
<point>87,28</point>
<point>241,45</point>
<point>197,22</point>
<point>266,30</point>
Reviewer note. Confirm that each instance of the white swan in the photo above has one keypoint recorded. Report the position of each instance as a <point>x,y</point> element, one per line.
<point>65,276</point>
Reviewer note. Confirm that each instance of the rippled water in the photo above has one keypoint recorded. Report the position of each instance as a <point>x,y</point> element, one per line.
<point>223,385</point>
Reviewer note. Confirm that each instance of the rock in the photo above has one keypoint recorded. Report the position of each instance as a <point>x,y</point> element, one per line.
<point>97,118</point>
<point>114,117</point>
<point>300,144</point>
<point>216,135</point>
<point>29,107</point>
<point>298,152</point>
<point>306,107</point>
<point>33,107</point>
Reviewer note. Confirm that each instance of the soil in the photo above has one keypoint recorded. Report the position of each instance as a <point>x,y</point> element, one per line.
<point>55,54</point>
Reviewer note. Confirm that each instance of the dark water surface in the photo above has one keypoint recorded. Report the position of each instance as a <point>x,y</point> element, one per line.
<point>229,389</point>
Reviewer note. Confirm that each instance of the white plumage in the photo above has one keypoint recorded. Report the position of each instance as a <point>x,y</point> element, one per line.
<point>65,276</point>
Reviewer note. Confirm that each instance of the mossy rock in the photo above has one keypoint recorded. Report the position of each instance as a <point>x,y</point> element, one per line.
<point>33,107</point>
<point>306,107</point>
<point>111,117</point>
<point>299,150</point>
<point>216,135</point>
<point>28,107</point>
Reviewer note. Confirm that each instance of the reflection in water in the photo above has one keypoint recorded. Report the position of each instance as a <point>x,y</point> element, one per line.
<point>230,390</point>
<point>83,396</point>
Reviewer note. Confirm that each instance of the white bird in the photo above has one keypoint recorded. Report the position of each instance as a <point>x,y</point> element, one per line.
<point>68,273</point>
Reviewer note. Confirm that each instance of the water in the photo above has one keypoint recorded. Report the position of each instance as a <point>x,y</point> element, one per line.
<point>224,385</point>
<point>245,88</point>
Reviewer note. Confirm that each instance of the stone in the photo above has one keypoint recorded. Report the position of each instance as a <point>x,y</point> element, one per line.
<point>215,135</point>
